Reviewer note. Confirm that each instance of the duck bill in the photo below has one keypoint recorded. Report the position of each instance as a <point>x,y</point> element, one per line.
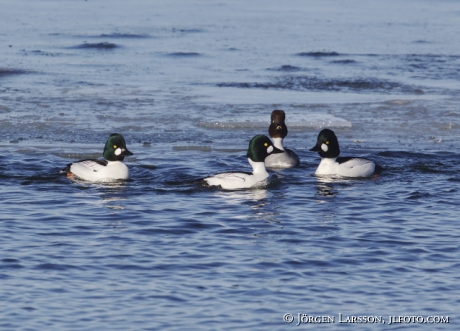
<point>278,126</point>
<point>317,148</point>
<point>125,152</point>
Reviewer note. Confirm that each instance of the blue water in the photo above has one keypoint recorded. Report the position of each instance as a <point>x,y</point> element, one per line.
<point>188,84</point>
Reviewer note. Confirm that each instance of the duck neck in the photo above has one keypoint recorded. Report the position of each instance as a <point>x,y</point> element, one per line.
<point>258,167</point>
<point>278,143</point>
<point>328,160</point>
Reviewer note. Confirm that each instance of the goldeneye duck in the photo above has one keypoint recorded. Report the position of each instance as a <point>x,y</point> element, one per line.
<point>111,168</point>
<point>259,148</point>
<point>328,148</point>
<point>278,131</point>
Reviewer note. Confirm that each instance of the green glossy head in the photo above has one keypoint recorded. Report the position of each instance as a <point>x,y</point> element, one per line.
<point>115,148</point>
<point>260,147</point>
<point>327,144</point>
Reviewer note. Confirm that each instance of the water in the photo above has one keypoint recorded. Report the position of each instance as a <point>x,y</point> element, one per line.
<point>188,84</point>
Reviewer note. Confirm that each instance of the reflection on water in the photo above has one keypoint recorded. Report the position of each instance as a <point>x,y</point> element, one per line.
<point>325,186</point>
<point>329,186</point>
<point>113,193</point>
<point>106,194</point>
<point>241,196</point>
<point>109,202</point>
<point>260,202</point>
<point>325,190</point>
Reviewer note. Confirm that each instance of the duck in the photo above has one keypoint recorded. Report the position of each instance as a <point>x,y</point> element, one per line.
<point>102,170</point>
<point>327,146</point>
<point>259,148</point>
<point>278,131</point>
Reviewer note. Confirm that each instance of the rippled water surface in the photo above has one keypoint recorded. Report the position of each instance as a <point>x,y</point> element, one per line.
<point>188,84</point>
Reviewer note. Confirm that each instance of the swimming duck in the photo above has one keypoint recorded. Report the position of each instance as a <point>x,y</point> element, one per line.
<point>278,131</point>
<point>110,168</point>
<point>259,148</point>
<point>328,148</point>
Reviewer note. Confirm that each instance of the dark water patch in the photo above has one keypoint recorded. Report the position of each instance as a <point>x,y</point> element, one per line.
<point>148,166</point>
<point>421,163</point>
<point>431,270</point>
<point>418,195</point>
<point>61,233</point>
<point>446,249</point>
<point>293,263</point>
<point>417,250</point>
<point>55,266</point>
<point>318,54</point>
<point>39,52</point>
<point>420,41</point>
<point>228,231</point>
<point>306,83</point>
<point>9,263</point>
<point>4,277</point>
<point>123,36</point>
<point>407,155</point>
<point>193,148</point>
<point>165,232</point>
<point>25,174</point>
<point>286,68</point>
<point>344,61</point>
<point>100,46</point>
<point>10,266</point>
<point>131,267</point>
<point>194,224</point>
<point>187,30</point>
<point>10,71</point>
<point>417,66</point>
<point>86,83</point>
<point>423,66</point>
<point>183,54</point>
<point>429,168</point>
<point>52,177</point>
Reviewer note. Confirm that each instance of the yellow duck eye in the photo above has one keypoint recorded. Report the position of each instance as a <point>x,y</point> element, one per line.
<point>327,142</point>
<point>115,146</point>
<point>265,144</point>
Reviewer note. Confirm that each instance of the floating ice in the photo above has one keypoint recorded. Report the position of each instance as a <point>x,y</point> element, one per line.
<point>294,122</point>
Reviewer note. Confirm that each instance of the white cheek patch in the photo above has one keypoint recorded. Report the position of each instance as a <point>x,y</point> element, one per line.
<point>270,149</point>
<point>118,151</point>
<point>324,147</point>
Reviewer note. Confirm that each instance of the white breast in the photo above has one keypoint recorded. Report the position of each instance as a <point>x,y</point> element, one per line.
<point>288,159</point>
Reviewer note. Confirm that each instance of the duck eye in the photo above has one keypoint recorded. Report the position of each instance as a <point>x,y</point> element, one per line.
<point>327,142</point>
<point>115,146</point>
<point>265,144</point>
